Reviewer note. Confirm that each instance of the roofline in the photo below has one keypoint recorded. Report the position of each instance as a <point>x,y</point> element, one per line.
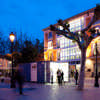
<point>80,14</point>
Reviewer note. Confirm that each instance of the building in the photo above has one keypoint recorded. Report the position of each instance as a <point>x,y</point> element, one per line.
<point>60,49</point>
<point>5,66</point>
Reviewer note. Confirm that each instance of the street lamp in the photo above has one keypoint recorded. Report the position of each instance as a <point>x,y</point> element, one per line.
<point>12,38</point>
<point>96,67</point>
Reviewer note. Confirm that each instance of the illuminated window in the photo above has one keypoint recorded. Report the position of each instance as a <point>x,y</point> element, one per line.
<point>73,57</point>
<point>69,49</point>
<point>50,45</point>
<point>76,24</point>
<point>50,35</point>
<point>58,43</point>
<point>61,43</point>
<point>64,42</point>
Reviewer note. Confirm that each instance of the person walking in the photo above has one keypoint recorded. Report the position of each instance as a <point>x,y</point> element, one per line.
<point>62,77</point>
<point>76,77</point>
<point>59,76</point>
<point>20,79</point>
<point>52,77</point>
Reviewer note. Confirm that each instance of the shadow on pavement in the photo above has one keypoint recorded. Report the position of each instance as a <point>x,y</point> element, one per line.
<point>25,89</point>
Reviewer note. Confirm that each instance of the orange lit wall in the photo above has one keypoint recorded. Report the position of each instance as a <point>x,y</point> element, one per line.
<point>88,52</point>
<point>52,53</point>
<point>90,49</point>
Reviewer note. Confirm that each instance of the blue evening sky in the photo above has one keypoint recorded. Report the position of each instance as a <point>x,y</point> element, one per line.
<point>31,16</point>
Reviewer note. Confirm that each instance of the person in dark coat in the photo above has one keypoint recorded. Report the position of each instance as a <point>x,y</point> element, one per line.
<point>76,76</point>
<point>20,79</point>
<point>52,77</point>
<point>59,76</point>
<point>62,77</point>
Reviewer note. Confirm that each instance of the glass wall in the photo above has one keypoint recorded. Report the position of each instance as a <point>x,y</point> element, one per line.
<point>70,53</point>
<point>77,24</point>
<point>68,50</point>
<point>63,42</point>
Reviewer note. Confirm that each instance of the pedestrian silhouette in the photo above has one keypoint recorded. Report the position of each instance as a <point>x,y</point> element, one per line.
<point>20,79</point>
<point>76,76</point>
<point>62,77</point>
<point>59,76</point>
<point>72,73</point>
<point>52,77</point>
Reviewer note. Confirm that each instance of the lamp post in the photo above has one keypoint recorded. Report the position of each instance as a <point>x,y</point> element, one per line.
<point>96,67</point>
<point>12,38</point>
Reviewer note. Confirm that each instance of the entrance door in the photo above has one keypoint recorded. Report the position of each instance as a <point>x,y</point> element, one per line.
<point>54,66</point>
<point>72,70</point>
<point>34,72</point>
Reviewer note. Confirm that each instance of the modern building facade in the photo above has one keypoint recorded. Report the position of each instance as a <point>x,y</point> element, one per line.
<point>60,49</point>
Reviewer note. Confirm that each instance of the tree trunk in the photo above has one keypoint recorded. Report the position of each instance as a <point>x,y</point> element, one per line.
<point>81,77</point>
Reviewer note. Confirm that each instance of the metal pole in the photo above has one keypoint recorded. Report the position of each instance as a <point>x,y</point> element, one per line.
<point>96,69</point>
<point>12,75</point>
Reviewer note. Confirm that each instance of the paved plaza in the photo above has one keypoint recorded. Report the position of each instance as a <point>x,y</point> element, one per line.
<point>34,91</point>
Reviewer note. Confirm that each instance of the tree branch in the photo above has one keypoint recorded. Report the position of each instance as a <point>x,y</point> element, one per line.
<point>91,38</point>
<point>90,24</point>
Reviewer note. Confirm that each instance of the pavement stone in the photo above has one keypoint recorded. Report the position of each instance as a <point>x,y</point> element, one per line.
<point>34,91</point>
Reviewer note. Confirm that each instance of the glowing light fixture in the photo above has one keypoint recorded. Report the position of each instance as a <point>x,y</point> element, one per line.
<point>79,32</point>
<point>97,28</point>
<point>12,37</point>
